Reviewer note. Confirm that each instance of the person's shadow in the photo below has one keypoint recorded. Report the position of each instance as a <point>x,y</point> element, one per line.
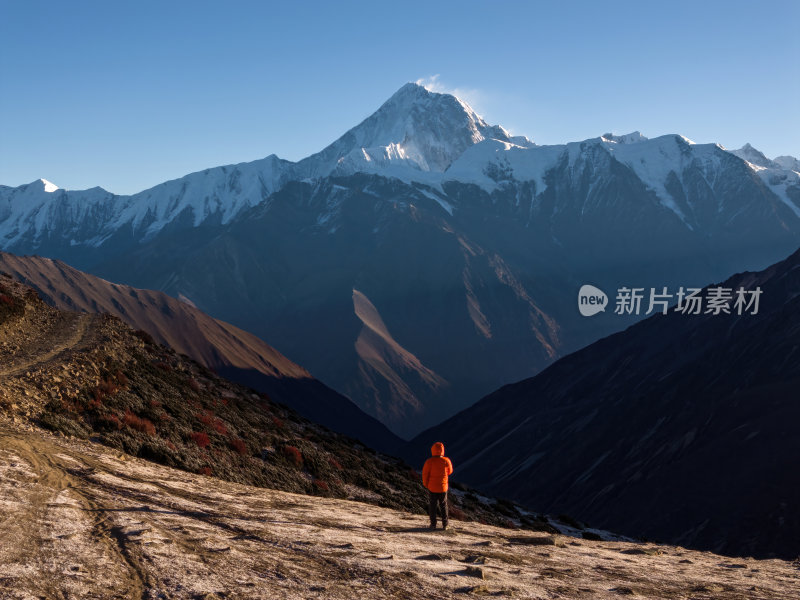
<point>412,530</point>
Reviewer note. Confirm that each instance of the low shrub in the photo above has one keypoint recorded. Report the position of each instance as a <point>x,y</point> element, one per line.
<point>206,417</point>
<point>239,446</point>
<point>201,439</point>
<point>64,424</point>
<point>138,423</point>
<point>111,421</point>
<point>293,455</point>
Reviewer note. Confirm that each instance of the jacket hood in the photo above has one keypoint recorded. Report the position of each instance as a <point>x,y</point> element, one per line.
<point>437,449</point>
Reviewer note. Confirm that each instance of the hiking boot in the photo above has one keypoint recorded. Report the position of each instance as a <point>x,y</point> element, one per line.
<point>432,526</point>
<point>444,527</point>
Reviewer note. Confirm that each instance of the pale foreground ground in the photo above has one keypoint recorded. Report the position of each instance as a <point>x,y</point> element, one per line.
<point>80,521</point>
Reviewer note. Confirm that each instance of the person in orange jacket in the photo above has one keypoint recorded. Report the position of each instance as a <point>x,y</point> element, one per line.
<point>434,478</point>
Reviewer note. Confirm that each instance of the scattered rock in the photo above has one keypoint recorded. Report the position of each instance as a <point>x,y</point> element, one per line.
<point>433,557</point>
<point>473,589</point>
<point>475,559</point>
<point>623,590</point>
<point>475,572</point>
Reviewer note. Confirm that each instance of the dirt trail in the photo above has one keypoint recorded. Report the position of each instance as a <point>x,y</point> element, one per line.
<point>59,529</point>
<point>80,520</point>
<point>47,342</point>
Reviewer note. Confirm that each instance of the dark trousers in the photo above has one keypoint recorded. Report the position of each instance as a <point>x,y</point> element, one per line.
<point>438,502</point>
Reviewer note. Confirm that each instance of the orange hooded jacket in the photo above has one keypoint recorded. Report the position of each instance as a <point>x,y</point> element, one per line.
<point>436,470</point>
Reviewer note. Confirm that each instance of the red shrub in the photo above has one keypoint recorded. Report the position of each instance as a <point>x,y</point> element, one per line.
<point>239,446</point>
<point>6,299</point>
<point>105,389</point>
<point>205,471</point>
<point>335,463</point>
<point>154,403</point>
<point>171,446</point>
<point>194,385</point>
<point>121,378</point>
<point>201,439</point>
<point>219,427</point>
<point>293,454</point>
<point>143,425</point>
<point>206,417</point>
<point>277,422</point>
<point>164,366</point>
<point>112,421</point>
<point>321,485</point>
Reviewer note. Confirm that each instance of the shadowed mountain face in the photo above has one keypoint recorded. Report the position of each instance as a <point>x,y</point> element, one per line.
<point>426,258</point>
<point>680,428</point>
<point>228,350</point>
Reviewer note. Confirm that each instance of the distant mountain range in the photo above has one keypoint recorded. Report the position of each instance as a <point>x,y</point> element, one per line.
<point>227,350</point>
<point>680,428</point>
<point>426,257</point>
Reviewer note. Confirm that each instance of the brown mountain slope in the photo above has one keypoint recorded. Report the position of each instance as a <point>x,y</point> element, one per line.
<point>228,350</point>
<point>176,324</point>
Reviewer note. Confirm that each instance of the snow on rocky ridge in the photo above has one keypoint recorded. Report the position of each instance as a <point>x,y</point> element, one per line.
<point>416,136</point>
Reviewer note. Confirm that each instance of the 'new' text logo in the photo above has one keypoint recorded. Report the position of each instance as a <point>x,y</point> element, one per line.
<point>591,300</point>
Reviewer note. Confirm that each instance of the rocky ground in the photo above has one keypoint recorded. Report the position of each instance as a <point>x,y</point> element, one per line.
<point>80,520</point>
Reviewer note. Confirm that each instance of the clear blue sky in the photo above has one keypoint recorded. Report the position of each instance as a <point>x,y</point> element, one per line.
<point>128,94</point>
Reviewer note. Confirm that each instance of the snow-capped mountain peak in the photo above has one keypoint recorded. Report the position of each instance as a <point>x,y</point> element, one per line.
<point>753,156</point>
<point>49,186</point>
<point>415,128</point>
